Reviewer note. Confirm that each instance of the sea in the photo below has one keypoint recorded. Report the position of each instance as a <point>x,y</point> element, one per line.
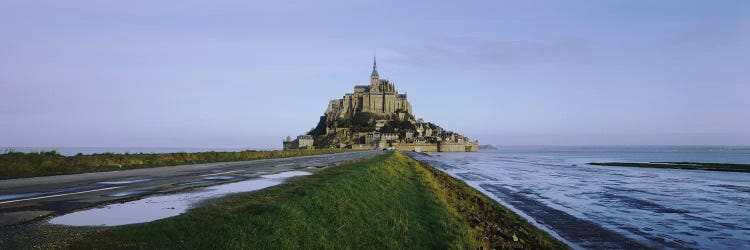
<point>604,207</point>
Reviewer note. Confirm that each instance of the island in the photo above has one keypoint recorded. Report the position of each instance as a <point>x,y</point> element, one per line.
<point>377,116</point>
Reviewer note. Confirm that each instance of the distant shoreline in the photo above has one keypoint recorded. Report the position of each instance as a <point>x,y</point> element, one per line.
<point>15,164</point>
<point>71,151</point>
<point>724,167</point>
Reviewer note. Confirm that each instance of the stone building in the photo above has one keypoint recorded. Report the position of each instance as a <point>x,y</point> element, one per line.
<point>376,116</point>
<point>302,142</point>
<point>380,97</point>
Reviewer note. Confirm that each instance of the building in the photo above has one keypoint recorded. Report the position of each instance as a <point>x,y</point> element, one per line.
<point>302,142</point>
<point>380,97</point>
<point>376,116</point>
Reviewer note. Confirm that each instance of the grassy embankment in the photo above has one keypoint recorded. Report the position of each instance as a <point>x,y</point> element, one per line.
<point>726,167</point>
<point>21,165</point>
<point>387,202</point>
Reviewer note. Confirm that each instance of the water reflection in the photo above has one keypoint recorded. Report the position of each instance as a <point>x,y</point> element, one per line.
<point>163,206</point>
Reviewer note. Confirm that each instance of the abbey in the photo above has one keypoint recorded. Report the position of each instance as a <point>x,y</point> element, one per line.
<point>380,97</point>
<point>376,116</point>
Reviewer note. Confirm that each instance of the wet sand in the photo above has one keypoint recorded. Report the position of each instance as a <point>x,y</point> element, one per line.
<point>603,207</point>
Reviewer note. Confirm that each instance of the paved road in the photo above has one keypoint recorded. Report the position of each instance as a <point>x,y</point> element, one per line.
<point>23,200</point>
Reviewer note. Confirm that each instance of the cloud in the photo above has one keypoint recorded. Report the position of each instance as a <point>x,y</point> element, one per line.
<point>469,52</point>
<point>709,35</point>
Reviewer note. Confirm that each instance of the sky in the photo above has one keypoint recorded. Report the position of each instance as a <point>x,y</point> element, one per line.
<point>248,73</point>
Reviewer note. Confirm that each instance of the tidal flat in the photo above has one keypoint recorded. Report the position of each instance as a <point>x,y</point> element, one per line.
<point>605,207</point>
<point>726,167</point>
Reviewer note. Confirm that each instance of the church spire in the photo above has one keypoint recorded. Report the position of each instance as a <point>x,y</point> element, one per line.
<point>374,66</point>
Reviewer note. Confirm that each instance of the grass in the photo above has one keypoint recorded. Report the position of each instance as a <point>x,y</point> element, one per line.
<point>726,167</point>
<point>22,165</point>
<point>386,202</point>
<point>497,226</point>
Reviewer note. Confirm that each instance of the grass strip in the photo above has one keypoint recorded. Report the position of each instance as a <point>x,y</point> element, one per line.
<point>725,167</point>
<point>22,165</point>
<point>387,202</point>
<point>495,225</point>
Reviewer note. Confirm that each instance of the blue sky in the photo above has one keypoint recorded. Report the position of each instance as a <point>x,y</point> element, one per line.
<point>246,73</point>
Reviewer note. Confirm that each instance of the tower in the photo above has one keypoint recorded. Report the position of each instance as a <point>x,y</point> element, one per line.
<point>374,77</point>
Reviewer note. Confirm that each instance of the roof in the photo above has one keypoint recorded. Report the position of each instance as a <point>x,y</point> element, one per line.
<point>374,68</point>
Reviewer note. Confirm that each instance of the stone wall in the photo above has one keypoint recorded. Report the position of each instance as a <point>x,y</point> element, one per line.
<point>298,144</point>
<point>451,147</point>
<point>416,147</point>
<point>306,143</point>
<point>436,147</point>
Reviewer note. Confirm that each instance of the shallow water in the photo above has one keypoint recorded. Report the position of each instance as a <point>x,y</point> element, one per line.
<point>11,197</point>
<point>162,206</point>
<point>123,182</point>
<point>615,207</point>
<point>283,175</point>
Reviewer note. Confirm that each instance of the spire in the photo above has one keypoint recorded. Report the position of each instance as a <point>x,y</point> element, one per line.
<point>374,65</point>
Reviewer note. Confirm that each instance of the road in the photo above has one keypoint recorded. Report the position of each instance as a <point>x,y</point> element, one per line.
<point>23,200</point>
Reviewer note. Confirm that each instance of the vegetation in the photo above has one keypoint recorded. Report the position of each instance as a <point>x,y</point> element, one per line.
<point>333,140</point>
<point>493,224</point>
<point>727,167</point>
<point>319,129</point>
<point>397,126</point>
<point>360,122</point>
<point>387,202</point>
<point>20,165</point>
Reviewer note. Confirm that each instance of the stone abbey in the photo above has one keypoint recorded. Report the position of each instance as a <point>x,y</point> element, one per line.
<point>377,116</point>
<point>380,97</point>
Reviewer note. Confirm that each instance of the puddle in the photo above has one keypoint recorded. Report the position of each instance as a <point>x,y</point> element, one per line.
<point>11,197</point>
<point>218,177</point>
<point>98,185</point>
<point>6,197</point>
<point>285,174</point>
<point>129,193</point>
<point>189,183</point>
<point>123,182</point>
<point>164,206</point>
<point>18,196</point>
